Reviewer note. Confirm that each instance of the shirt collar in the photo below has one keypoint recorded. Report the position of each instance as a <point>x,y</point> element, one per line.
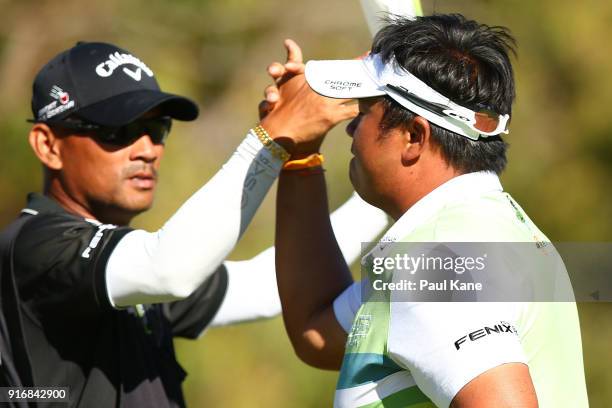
<point>38,203</point>
<point>455,189</point>
<point>41,204</point>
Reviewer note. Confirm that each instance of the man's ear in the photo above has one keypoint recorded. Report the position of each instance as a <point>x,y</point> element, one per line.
<point>417,137</point>
<point>46,146</point>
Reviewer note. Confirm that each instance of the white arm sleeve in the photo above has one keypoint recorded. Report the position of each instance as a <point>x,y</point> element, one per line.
<point>171,263</point>
<point>356,222</point>
<point>252,292</point>
<point>347,304</point>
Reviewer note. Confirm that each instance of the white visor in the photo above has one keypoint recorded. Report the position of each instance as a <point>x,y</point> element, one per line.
<point>353,79</point>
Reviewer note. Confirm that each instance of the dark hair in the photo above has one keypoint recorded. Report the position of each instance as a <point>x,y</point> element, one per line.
<point>465,61</point>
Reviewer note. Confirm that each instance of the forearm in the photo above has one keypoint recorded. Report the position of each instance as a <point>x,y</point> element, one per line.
<point>311,271</point>
<point>252,290</point>
<point>172,262</point>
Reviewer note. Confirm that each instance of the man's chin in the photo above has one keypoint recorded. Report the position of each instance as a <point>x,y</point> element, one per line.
<point>135,204</point>
<point>359,186</point>
<point>119,213</point>
<point>140,206</point>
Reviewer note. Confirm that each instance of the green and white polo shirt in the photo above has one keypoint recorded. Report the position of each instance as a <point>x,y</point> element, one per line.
<point>404,354</point>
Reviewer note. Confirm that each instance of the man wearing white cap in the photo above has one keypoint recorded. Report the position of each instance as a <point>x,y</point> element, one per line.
<point>435,96</point>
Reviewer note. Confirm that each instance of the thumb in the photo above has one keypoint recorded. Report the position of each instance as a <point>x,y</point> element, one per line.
<point>294,52</point>
<point>295,68</point>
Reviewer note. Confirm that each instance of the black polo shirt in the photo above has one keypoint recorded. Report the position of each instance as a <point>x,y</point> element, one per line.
<point>75,338</point>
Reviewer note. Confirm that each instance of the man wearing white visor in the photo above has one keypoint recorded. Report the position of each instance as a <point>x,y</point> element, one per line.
<point>435,97</point>
<point>372,77</point>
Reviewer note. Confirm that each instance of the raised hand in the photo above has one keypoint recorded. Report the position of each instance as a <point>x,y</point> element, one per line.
<point>293,114</point>
<point>280,74</point>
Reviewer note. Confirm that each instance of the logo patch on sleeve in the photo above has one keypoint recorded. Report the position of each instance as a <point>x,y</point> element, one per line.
<point>502,327</point>
<point>93,244</point>
<point>360,329</point>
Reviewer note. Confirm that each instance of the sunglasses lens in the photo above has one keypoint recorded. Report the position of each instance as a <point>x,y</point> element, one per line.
<point>157,129</point>
<point>486,121</point>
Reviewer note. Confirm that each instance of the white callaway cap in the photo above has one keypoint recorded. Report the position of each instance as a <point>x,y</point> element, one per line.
<point>352,79</point>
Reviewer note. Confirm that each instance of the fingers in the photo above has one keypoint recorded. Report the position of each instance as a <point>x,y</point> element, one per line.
<point>338,112</point>
<point>276,70</point>
<point>348,101</point>
<point>294,52</point>
<point>280,73</point>
<point>264,108</point>
<point>271,94</point>
<point>350,111</point>
<point>295,68</point>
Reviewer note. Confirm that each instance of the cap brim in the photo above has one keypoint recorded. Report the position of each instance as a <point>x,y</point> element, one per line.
<point>127,107</point>
<point>346,79</point>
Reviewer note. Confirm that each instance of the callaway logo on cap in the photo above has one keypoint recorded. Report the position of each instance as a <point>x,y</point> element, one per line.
<point>102,84</point>
<point>116,60</point>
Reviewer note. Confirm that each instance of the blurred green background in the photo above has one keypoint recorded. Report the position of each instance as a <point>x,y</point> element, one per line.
<point>216,52</point>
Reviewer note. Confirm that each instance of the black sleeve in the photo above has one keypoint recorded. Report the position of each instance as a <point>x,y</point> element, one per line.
<point>189,317</point>
<point>60,264</point>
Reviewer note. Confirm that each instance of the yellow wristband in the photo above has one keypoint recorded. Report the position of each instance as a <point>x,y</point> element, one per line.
<point>313,160</point>
<point>271,145</point>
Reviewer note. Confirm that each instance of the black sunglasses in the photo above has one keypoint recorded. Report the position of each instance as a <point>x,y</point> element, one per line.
<point>157,129</point>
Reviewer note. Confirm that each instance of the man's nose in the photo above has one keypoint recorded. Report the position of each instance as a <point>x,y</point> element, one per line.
<point>144,149</point>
